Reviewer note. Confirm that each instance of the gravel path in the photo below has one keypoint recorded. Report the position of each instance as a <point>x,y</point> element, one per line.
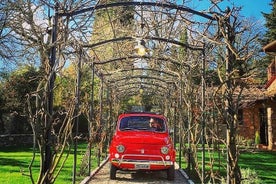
<point>123,177</point>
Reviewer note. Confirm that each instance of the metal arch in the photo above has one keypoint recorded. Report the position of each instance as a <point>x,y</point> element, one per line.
<point>141,83</point>
<point>156,93</point>
<point>165,5</point>
<point>191,47</point>
<point>144,57</point>
<point>138,88</point>
<point>108,41</point>
<point>182,8</point>
<point>138,77</point>
<point>108,82</point>
<point>142,69</point>
<point>136,92</point>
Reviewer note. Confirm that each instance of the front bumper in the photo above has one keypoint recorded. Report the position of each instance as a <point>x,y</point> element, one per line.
<point>156,162</point>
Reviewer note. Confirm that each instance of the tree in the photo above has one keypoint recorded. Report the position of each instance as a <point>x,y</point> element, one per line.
<point>7,40</point>
<point>231,46</point>
<point>32,32</point>
<point>235,70</point>
<point>113,55</point>
<point>270,24</point>
<point>4,31</point>
<point>269,35</point>
<point>17,86</point>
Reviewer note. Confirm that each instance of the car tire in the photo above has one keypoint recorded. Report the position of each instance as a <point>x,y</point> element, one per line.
<point>113,171</point>
<point>170,173</point>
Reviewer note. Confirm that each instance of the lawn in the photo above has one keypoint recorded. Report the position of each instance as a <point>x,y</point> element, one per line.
<point>264,163</point>
<point>15,160</point>
<point>261,162</point>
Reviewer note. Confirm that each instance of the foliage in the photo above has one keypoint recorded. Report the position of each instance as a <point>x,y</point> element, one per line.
<point>262,162</point>
<point>244,143</point>
<point>6,37</point>
<point>269,36</point>
<point>270,24</point>
<point>21,82</point>
<point>15,89</point>
<point>65,87</point>
<point>257,138</point>
<point>250,176</point>
<point>109,23</point>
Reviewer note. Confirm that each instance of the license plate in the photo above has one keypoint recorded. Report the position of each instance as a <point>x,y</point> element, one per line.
<point>142,166</point>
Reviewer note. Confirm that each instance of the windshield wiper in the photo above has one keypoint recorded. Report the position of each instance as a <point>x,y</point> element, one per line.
<point>127,128</point>
<point>143,128</point>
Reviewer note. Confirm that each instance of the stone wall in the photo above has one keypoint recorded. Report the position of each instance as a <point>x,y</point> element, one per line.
<point>16,140</point>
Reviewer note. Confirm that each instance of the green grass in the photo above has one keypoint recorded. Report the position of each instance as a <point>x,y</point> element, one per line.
<point>15,160</point>
<point>262,162</point>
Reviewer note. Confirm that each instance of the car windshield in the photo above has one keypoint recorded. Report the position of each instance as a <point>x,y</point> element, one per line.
<point>147,123</point>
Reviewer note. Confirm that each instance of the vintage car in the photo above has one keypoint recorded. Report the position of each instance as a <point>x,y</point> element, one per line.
<point>142,142</point>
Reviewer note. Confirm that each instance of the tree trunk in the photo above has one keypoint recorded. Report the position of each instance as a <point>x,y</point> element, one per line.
<point>234,174</point>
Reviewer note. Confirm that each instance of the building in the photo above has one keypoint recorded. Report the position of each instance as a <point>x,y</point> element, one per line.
<point>259,113</point>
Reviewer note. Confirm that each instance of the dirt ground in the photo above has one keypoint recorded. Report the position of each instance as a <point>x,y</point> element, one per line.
<point>123,177</point>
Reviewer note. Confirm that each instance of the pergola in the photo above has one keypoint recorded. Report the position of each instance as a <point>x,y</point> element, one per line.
<point>138,48</point>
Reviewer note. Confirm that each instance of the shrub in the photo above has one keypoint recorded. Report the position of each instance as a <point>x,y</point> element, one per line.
<point>249,176</point>
<point>257,138</point>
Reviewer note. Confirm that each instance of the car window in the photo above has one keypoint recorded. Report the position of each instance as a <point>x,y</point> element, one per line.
<point>140,123</point>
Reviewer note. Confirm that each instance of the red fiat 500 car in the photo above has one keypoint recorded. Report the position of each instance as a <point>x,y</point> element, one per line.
<point>141,142</point>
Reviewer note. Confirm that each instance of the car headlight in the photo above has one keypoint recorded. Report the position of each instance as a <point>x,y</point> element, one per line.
<point>120,148</point>
<point>164,150</point>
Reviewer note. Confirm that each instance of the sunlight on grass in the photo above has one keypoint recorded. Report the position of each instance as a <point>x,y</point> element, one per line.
<point>260,162</point>
<point>15,160</point>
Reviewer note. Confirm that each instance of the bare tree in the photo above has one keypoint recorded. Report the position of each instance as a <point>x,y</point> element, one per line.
<point>43,37</point>
<point>53,40</point>
<point>6,53</point>
<point>236,44</point>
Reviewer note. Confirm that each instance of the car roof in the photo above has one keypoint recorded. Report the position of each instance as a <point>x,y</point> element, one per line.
<point>151,114</point>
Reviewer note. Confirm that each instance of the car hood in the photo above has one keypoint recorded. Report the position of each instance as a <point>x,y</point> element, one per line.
<point>143,138</point>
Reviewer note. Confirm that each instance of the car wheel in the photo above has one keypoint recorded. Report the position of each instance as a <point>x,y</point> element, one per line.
<point>170,173</point>
<point>113,170</point>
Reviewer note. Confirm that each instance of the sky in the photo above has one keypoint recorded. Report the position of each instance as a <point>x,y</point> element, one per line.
<point>250,8</point>
<point>255,7</point>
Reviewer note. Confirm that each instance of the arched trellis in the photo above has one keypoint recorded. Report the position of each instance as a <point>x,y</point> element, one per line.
<point>122,86</point>
<point>176,42</point>
<point>169,73</point>
<point>137,3</point>
<point>180,8</point>
<point>139,77</point>
<point>175,76</point>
